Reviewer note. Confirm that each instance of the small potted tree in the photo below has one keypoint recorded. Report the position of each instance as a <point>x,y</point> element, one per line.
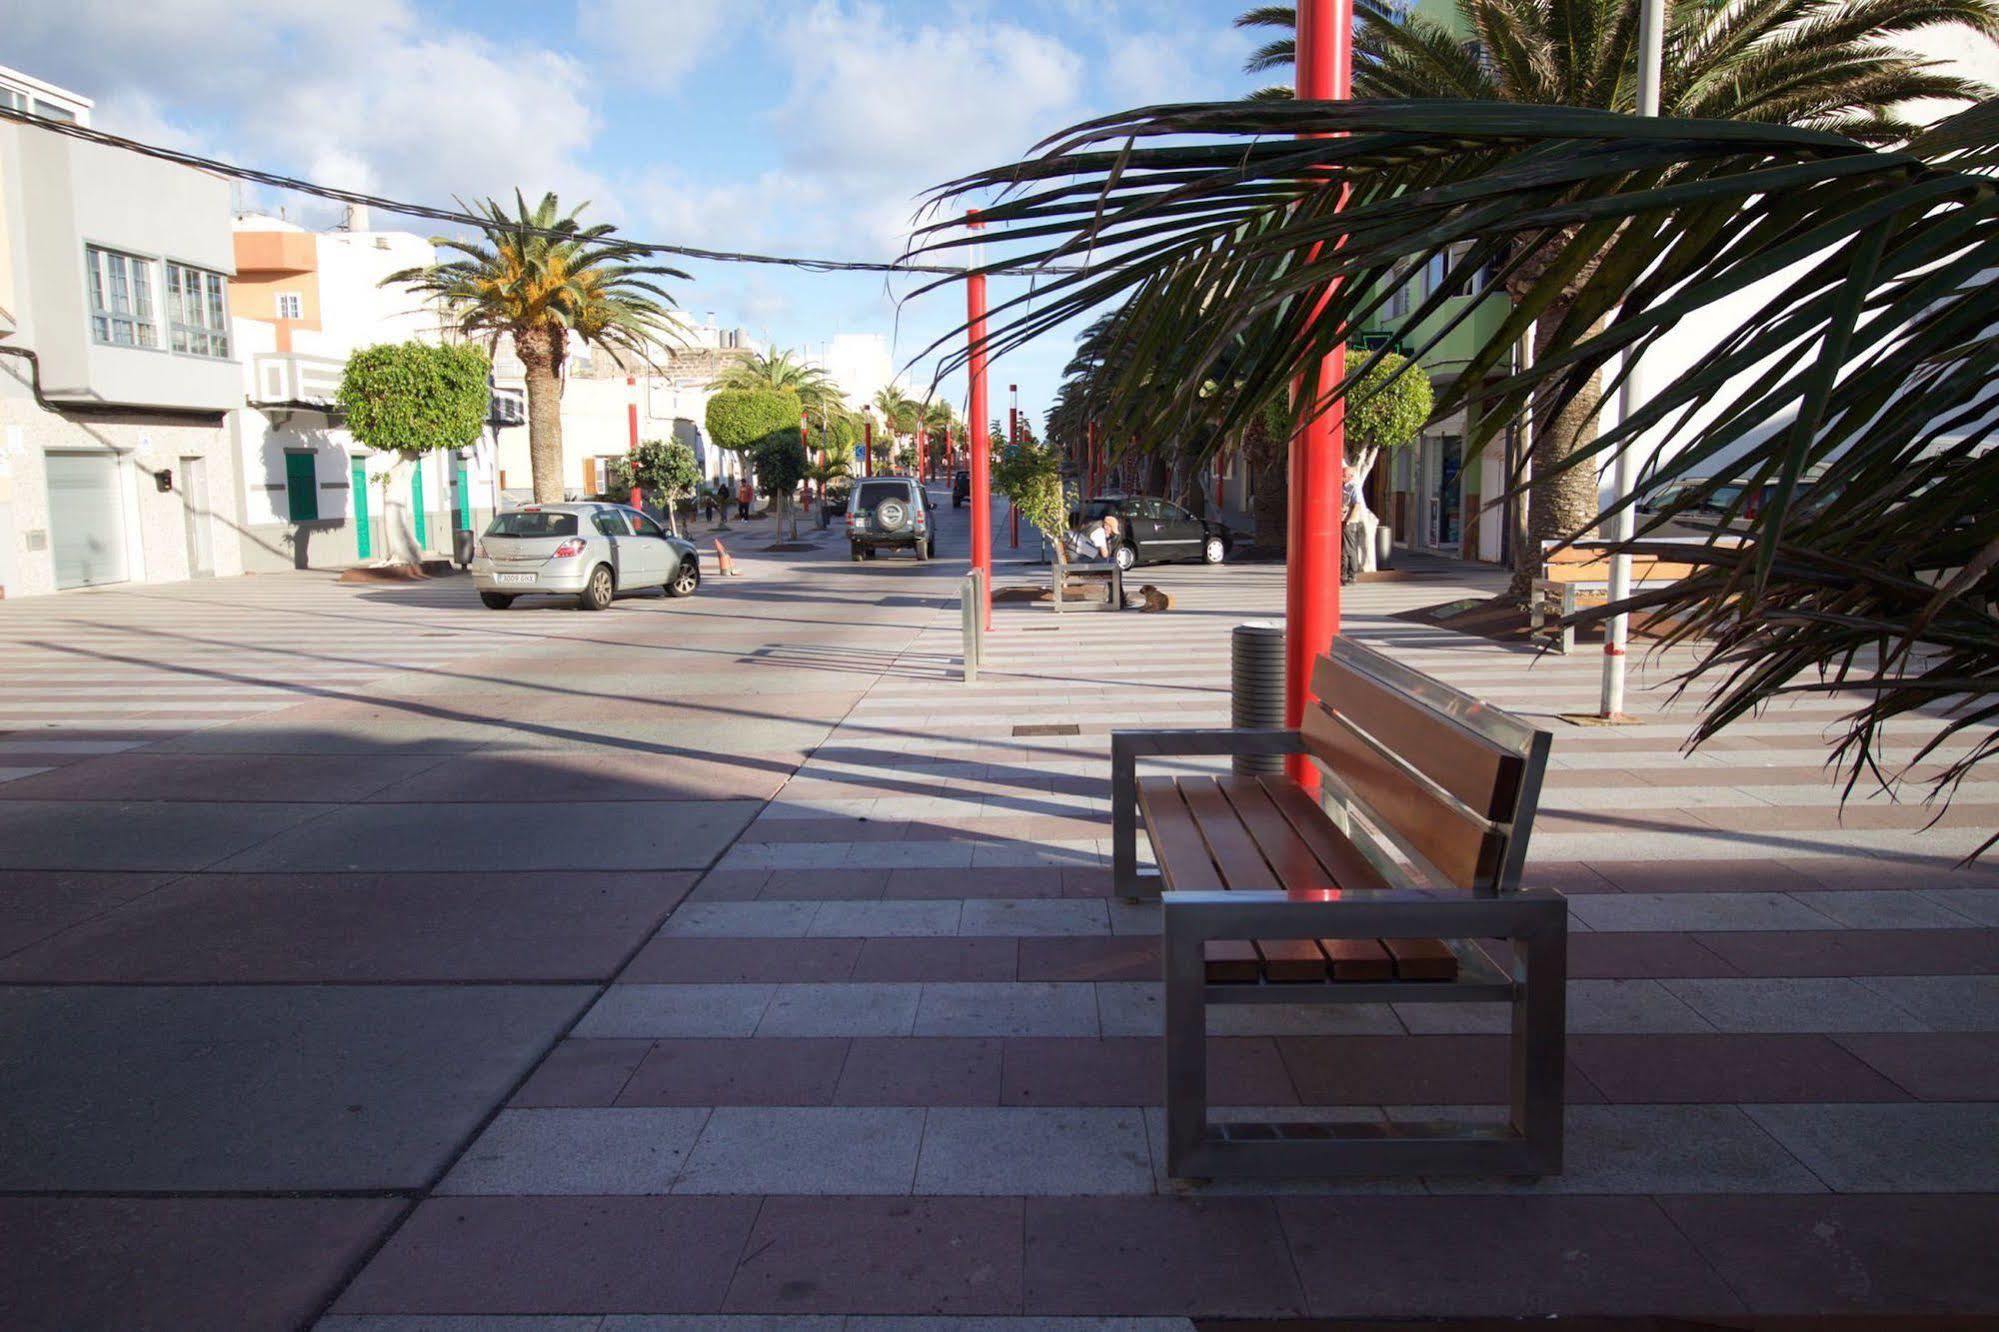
<point>408,399</point>
<point>667,472</point>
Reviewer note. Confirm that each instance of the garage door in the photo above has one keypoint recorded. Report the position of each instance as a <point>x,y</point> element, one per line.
<point>86,519</point>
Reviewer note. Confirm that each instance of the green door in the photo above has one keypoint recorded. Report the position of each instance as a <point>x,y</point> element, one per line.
<point>416,507</point>
<point>301,488</point>
<point>364,544</point>
<point>464,523</point>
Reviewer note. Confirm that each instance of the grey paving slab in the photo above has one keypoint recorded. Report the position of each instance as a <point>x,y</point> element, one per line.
<point>1942,1003</point>
<point>1979,904</point>
<point>1630,1006</point>
<point>1001,1008</point>
<point>1898,1148</point>
<point>1695,911</point>
<point>1031,916</point>
<point>641,834</point>
<point>1134,917</point>
<point>457,1323</point>
<point>1887,909</point>
<point>1030,1150</point>
<point>722,1323</point>
<point>143,1089</point>
<point>1796,1004</point>
<point>139,835</point>
<point>842,1009</point>
<point>740,920</point>
<point>594,1151</point>
<point>677,1010</point>
<point>805,1149</point>
<point>885,920</point>
<point>1645,1149</point>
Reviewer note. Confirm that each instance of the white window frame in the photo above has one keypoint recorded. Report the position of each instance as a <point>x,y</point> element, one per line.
<point>121,295</point>
<point>291,305</point>
<point>206,334</point>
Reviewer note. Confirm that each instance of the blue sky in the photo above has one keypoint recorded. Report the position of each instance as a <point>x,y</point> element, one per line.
<point>794,126</point>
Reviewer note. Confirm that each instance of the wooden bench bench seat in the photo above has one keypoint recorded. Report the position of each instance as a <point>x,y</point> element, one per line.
<point>1400,885</point>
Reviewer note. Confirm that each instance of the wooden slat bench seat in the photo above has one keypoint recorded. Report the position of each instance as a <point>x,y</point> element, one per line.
<point>1578,573</point>
<point>1399,884</point>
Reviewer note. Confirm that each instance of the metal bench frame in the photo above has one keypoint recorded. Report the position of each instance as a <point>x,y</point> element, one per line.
<point>1113,587</point>
<point>1530,974</point>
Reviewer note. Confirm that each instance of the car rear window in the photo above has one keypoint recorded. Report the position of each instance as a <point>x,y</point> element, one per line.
<point>533,523</point>
<point>872,493</point>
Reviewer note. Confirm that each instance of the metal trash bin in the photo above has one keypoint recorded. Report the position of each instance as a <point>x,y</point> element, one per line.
<point>462,547</point>
<point>1256,687</point>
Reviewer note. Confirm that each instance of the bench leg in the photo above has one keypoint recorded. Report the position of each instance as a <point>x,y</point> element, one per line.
<point>1568,609</point>
<point>1186,1045</point>
<point>1538,1059</point>
<point>1125,880</point>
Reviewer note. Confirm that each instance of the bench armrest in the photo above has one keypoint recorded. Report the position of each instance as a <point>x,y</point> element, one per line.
<point>1128,747</point>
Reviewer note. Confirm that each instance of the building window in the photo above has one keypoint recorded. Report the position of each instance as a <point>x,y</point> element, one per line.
<point>196,311</point>
<point>121,299</point>
<point>1436,272</point>
<point>290,305</point>
<point>50,111</point>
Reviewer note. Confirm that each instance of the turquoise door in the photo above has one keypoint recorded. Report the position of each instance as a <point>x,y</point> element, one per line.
<point>364,542</point>
<point>416,507</point>
<point>464,523</point>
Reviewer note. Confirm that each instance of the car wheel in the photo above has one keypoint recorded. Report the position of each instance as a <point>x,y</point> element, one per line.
<point>1126,557</point>
<point>496,600</point>
<point>686,580</point>
<point>855,551</point>
<point>1213,551</point>
<point>596,594</point>
<point>957,503</point>
<point>923,550</point>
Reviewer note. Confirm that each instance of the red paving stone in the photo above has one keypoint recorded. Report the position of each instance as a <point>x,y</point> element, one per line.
<point>1408,1070</point>
<point>981,959</point>
<point>951,1256</point>
<point>823,885</point>
<point>582,1072</point>
<point>724,961</point>
<point>1698,876</point>
<point>1721,1069</point>
<point>1131,1070</point>
<point>137,1264</point>
<point>930,884</point>
<point>35,904</point>
<point>1124,957</point>
<point>1215,1256</point>
<point>1935,1066</point>
<point>921,1070</point>
<point>744,1071</point>
<point>556,1255</point>
<point>1856,952</point>
<point>1620,955</point>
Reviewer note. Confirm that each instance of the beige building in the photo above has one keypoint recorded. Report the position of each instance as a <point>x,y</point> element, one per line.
<point>117,361</point>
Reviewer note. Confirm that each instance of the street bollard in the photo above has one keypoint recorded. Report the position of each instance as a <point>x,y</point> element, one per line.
<point>1256,688</point>
<point>972,623</point>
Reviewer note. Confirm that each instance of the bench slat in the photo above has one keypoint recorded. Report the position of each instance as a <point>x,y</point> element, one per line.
<point>1231,962</point>
<point>1342,859</point>
<point>1422,959</point>
<point>1229,843</point>
<point>1298,869</point>
<point>1176,840</point>
<point>1292,960</point>
<point>1485,776</point>
<point>1359,959</point>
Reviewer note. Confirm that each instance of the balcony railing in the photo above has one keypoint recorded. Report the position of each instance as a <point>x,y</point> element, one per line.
<point>289,379</point>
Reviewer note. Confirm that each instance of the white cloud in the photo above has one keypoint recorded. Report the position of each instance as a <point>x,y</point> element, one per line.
<point>659,41</point>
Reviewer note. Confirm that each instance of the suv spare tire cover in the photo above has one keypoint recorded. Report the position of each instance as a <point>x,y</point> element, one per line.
<point>892,514</point>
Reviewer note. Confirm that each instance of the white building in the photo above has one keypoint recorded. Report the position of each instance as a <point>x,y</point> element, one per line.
<point>117,360</point>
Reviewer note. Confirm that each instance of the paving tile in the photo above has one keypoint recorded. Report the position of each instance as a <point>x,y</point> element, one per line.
<point>1118,1071</point>
<point>294,1088</point>
<point>841,1010</point>
<point>1942,1003</point>
<point>1719,1068</point>
<point>741,920</point>
<point>1029,1325</point>
<point>1834,1254</point>
<point>1979,904</point>
<point>1211,1256</point>
<point>1090,959</point>
<point>825,1150</point>
<point>139,1264</point>
<point>555,1256</point>
<point>951,1256</point>
<point>1932,1066</point>
<point>1013,1150</point>
<point>676,1010</point>
<point>822,885</point>
<point>1018,1009</point>
<point>1608,955</point>
<point>737,1071</point>
<point>888,920</point>
<point>1907,1148</point>
<point>1695,911</point>
<point>1793,1005</point>
<point>729,961</point>
<point>458,1323</point>
<point>589,1151</point>
<point>1717,875</point>
<point>937,960</point>
<point>985,881</point>
<point>1857,953</point>
<point>1508,1256</point>
<point>1886,909</point>
<point>35,904</point>
<point>1650,1149</point>
<point>582,1072</point>
<point>921,1070</point>
<point>1385,1070</point>
<point>1030,917</point>
<point>68,835</point>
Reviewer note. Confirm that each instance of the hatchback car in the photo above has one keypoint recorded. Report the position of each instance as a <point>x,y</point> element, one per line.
<point>592,552</point>
<point>961,488</point>
<point>1156,531</point>
<point>889,513</point>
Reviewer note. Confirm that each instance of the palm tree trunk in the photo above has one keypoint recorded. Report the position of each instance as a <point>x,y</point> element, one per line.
<point>1562,502</point>
<point>536,349</point>
<point>1269,460</point>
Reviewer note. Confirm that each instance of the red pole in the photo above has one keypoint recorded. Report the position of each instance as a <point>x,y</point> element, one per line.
<point>980,444</point>
<point>868,447</point>
<point>1013,437</point>
<point>922,451</point>
<point>632,428</point>
<point>1312,562</point>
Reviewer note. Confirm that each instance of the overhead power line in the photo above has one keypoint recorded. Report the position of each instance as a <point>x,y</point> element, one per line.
<point>452,215</point>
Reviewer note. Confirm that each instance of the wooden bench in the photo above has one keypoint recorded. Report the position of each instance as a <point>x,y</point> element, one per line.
<point>1063,577</point>
<point>1400,885</point>
<point>1582,570</point>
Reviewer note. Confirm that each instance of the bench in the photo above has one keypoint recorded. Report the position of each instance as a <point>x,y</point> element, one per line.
<point>1400,885</point>
<point>1582,570</point>
<point>1063,595</point>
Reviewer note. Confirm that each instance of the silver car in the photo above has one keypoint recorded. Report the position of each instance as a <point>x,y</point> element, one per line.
<point>592,552</point>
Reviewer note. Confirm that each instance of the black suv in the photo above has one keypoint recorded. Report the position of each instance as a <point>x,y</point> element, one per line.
<point>961,488</point>
<point>889,513</point>
<point>1157,530</point>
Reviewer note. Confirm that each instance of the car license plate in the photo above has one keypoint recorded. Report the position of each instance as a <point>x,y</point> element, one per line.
<point>513,578</point>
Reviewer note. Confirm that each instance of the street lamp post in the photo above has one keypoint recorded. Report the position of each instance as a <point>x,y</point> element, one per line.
<point>979,444</point>
<point>632,431</point>
<point>1312,562</point>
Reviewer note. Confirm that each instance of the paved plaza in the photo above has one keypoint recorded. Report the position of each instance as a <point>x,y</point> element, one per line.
<point>374,960</point>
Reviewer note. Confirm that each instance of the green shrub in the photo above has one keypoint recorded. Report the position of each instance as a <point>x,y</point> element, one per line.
<point>414,398</point>
<point>741,420</point>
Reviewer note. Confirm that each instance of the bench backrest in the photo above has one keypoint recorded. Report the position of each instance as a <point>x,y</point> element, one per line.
<point>1453,782</point>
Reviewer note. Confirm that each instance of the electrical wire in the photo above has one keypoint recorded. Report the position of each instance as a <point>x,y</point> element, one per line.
<point>434,214</point>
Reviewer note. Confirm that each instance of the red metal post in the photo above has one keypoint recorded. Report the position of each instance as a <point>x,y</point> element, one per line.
<point>979,444</point>
<point>922,451</point>
<point>632,428</point>
<point>1312,560</point>
<point>1013,437</point>
<point>868,447</point>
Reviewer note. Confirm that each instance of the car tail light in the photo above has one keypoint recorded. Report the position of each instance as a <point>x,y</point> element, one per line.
<point>571,547</point>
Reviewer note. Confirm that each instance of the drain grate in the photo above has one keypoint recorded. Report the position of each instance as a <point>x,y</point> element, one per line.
<point>1052,728</point>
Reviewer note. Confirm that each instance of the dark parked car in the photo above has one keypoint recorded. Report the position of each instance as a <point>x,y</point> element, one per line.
<point>961,488</point>
<point>1157,530</point>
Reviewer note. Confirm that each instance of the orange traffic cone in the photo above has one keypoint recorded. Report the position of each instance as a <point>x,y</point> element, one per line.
<point>722,560</point>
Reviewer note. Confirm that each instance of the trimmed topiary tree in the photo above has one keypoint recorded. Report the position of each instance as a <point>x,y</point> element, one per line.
<point>740,420</point>
<point>780,465</point>
<point>667,471</point>
<point>1387,410</point>
<point>413,398</point>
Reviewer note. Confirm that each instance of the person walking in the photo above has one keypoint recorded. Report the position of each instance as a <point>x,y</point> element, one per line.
<point>744,494</point>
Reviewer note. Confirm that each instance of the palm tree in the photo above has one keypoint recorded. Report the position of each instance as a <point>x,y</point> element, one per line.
<point>1821,64</point>
<point>538,276</point>
<point>899,416</point>
<point>783,372</point>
